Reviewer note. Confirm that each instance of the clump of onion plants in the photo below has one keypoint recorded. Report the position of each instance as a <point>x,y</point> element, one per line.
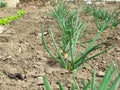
<point>116,21</point>
<point>3,4</point>
<point>104,17</point>
<point>105,84</point>
<point>88,9</point>
<point>99,13</point>
<point>110,20</point>
<point>71,30</point>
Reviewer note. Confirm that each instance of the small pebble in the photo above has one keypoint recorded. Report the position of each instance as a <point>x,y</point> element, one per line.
<point>39,81</point>
<point>49,71</point>
<point>45,34</point>
<point>2,29</point>
<point>100,74</point>
<point>104,62</point>
<point>117,49</point>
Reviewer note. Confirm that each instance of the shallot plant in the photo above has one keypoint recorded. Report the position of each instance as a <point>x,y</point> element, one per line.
<point>71,30</point>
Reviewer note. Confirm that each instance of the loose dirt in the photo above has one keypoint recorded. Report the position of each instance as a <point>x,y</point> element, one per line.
<point>22,54</point>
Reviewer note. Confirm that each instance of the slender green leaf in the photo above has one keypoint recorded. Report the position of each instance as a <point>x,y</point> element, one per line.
<point>46,47</point>
<point>106,79</point>
<point>58,50</point>
<point>86,85</point>
<point>60,86</point>
<point>46,83</point>
<point>93,85</point>
<point>104,51</point>
<point>115,84</point>
<point>76,83</point>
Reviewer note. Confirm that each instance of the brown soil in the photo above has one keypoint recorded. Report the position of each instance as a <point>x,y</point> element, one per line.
<point>22,52</point>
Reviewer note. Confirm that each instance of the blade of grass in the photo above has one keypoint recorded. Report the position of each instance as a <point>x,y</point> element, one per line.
<point>58,50</point>
<point>85,86</point>
<point>115,83</point>
<point>60,86</point>
<point>104,51</point>
<point>93,85</point>
<point>46,83</point>
<point>46,47</point>
<point>82,58</point>
<point>106,79</point>
<point>76,84</point>
<point>73,87</point>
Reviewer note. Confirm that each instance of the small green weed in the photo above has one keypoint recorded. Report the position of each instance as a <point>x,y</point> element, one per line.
<point>9,19</point>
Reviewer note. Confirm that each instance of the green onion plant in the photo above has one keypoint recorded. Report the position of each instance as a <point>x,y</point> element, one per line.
<point>114,23</point>
<point>105,84</point>
<point>99,13</point>
<point>88,9</point>
<point>105,19</point>
<point>110,20</point>
<point>71,31</point>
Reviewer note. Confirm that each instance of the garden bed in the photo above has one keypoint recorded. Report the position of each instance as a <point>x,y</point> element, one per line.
<point>22,51</point>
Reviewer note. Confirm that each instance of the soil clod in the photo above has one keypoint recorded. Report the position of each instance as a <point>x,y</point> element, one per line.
<point>15,76</point>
